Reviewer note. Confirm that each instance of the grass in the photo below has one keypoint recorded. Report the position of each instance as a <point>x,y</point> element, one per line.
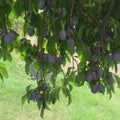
<point>85,105</point>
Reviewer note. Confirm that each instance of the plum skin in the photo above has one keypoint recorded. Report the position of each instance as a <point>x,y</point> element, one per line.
<point>94,88</point>
<point>32,96</point>
<point>63,34</point>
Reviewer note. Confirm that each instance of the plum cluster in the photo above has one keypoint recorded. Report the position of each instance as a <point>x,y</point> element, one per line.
<point>93,78</point>
<point>96,50</point>
<point>35,96</point>
<point>45,6</point>
<point>62,11</point>
<point>115,57</point>
<point>8,38</point>
<point>38,96</point>
<point>108,37</point>
<point>94,75</point>
<point>97,88</point>
<point>46,57</point>
<point>66,35</point>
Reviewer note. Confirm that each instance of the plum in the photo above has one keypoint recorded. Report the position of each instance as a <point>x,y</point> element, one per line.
<point>88,76</point>
<point>96,49</point>
<point>47,11</point>
<point>63,34</point>
<point>74,20</point>
<point>70,42</point>
<point>46,34</point>
<point>108,38</point>
<point>31,32</point>
<point>62,11</point>
<point>51,59</point>
<point>110,80</point>
<point>94,76</point>
<point>116,56</point>
<point>101,88</point>
<point>41,4</point>
<point>94,88</point>
<point>10,37</point>
<point>95,58</point>
<point>44,86</point>
<point>38,97</point>
<point>32,96</point>
<point>45,57</point>
<point>69,32</point>
<point>99,72</point>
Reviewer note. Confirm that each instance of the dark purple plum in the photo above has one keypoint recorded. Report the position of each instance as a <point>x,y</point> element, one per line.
<point>32,96</point>
<point>31,31</point>
<point>38,97</point>
<point>63,34</point>
<point>74,20</point>
<point>94,76</point>
<point>10,37</point>
<point>47,11</point>
<point>99,72</point>
<point>96,49</point>
<point>95,58</point>
<point>44,86</point>
<point>94,88</point>
<point>110,80</point>
<point>45,57</point>
<point>46,34</point>
<point>62,11</point>
<point>101,88</point>
<point>108,38</point>
<point>70,42</point>
<point>51,59</point>
<point>88,76</point>
<point>116,56</point>
<point>69,32</point>
<point>41,4</point>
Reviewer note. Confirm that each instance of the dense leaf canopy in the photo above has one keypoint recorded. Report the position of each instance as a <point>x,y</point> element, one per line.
<point>83,32</point>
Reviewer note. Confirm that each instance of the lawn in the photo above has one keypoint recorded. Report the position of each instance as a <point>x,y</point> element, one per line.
<point>85,105</point>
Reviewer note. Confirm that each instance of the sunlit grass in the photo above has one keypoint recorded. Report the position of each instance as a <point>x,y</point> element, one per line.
<point>85,105</point>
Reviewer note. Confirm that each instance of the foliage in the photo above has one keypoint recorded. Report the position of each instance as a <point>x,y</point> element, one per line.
<point>89,29</point>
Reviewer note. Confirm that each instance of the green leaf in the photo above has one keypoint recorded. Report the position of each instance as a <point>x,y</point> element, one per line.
<point>42,112</point>
<point>24,98</point>
<point>66,92</point>
<point>1,77</point>
<point>4,72</point>
<point>70,87</point>
<point>19,7</point>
